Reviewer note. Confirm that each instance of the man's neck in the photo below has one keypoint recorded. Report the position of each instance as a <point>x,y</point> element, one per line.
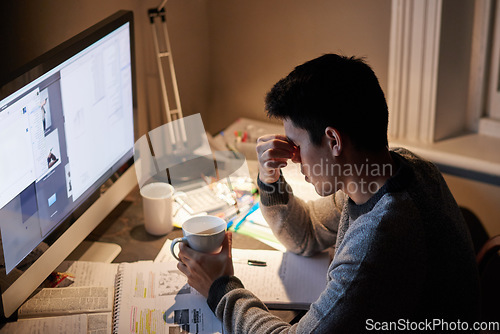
<point>369,173</point>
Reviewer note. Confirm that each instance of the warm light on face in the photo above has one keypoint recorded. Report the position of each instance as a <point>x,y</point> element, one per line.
<point>327,172</point>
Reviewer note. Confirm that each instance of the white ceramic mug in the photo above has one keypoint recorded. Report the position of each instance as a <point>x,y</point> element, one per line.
<point>202,233</point>
<point>157,200</point>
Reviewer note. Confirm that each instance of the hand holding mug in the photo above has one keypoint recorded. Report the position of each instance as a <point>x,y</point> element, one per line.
<point>202,233</point>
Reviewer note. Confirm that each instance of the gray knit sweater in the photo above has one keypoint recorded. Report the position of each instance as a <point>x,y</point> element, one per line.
<point>402,259</point>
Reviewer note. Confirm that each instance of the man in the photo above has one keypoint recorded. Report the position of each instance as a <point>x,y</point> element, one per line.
<point>403,257</point>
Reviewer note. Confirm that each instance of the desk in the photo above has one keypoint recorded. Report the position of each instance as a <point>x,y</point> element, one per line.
<point>125,227</point>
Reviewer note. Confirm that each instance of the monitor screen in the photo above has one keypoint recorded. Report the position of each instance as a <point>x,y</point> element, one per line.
<point>66,127</point>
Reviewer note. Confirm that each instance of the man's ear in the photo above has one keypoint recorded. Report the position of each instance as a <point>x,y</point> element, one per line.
<point>334,140</point>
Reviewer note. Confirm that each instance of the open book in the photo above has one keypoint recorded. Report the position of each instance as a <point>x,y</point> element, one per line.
<point>123,298</point>
<point>84,307</point>
<point>77,323</point>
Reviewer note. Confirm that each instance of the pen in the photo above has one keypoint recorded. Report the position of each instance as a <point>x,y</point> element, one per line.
<point>250,262</point>
<point>252,209</point>
<point>256,263</point>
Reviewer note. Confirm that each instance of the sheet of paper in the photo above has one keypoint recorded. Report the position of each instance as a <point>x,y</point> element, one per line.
<point>55,325</point>
<point>71,300</point>
<point>164,255</point>
<point>256,217</point>
<point>90,273</point>
<point>92,323</point>
<point>98,323</point>
<point>286,279</point>
<point>256,226</point>
<point>157,296</point>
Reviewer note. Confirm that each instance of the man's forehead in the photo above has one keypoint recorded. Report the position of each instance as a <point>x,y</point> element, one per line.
<point>292,132</point>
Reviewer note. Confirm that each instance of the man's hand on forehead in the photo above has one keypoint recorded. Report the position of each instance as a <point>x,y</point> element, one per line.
<point>273,153</point>
<point>294,149</point>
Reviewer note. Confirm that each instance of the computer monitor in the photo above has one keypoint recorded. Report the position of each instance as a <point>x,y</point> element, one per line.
<point>66,130</point>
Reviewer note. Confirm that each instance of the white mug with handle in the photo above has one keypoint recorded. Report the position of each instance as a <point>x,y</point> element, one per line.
<point>157,199</point>
<point>202,233</point>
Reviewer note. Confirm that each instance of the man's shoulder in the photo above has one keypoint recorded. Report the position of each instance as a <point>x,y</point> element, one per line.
<point>408,155</point>
<point>423,169</point>
<point>397,208</point>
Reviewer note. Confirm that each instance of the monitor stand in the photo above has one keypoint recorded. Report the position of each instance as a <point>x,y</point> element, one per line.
<point>95,251</point>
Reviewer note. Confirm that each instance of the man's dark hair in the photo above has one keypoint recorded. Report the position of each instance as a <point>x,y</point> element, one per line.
<point>337,91</point>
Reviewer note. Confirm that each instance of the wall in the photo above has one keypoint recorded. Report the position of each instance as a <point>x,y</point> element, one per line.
<point>254,43</point>
<point>227,54</point>
<point>481,198</point>
<point>188,28</point>
<point>454,68</point>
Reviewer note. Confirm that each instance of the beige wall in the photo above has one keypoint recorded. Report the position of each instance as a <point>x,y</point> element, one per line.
<point>227,53</point>
<point>454,68</point>
<point>188,28</point>
<point>481,198</point>
<point>254,43</point>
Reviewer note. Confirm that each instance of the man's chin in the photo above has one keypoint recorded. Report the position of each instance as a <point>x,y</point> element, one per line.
<point>324,191</point>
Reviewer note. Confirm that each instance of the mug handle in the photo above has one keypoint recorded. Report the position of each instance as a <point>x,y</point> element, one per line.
<point>174,242</point>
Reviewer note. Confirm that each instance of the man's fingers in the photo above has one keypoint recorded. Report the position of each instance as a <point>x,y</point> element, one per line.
<point>276,154</point>
<point>270,164</point>
<point>184,259</point>
<point>278,143</point>
<point>227,244</point>
<point>183,268</point>
<point>186,252</point>
<point>275,145</point>
<point>271,137</point>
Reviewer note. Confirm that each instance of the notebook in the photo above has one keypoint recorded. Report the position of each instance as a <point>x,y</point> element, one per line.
<point>287,281</point>
<point>155,297</point>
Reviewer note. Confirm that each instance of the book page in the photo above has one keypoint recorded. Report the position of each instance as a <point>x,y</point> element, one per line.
<point>288,280</point>
<point>98,323</point>
<point>72,300</point>
<point>84,273</point>
<point>55,325</point>
<point>256,226</point>
<point>165,255</point>
<point>156,296</point>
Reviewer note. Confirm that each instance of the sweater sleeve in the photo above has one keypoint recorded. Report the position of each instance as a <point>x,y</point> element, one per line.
<point>240,310</point>
<point>304,228</point>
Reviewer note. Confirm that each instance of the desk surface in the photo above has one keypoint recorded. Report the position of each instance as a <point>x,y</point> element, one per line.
<point>125,227</point>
